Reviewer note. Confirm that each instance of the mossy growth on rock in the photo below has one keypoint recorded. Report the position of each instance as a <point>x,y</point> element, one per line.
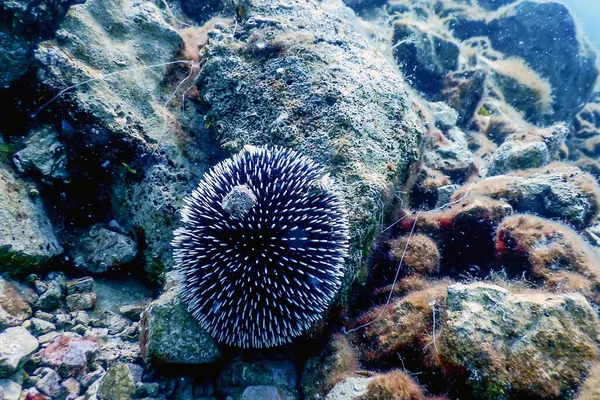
<point>518,345</point>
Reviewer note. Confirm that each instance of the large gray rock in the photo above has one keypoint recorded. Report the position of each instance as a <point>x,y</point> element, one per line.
<point>23,23</point>
<point>10,390</point>
<point>117,384</point>
<point>567,61</point>
<point>424,57</point>
<point>26,236</point>
<point>532,148</point>
<point>43,155</point>
<point>299,75</point>
<point>101,250</point>
<point>171,335</point>
<point>527,345</point>
<point>15,345</point>
<point>153,158</point>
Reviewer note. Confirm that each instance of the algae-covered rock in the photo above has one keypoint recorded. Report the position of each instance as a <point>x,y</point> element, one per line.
<point>297,74</point>
<point>117,384</point>
<point>404,327</point>
<point>27,240</point>
<point>557,191</point>
<point>170,334</point>
<point>101,250</point>
<point>152,160</point>
<point>44,155</point>
<point>549,253</point>
<point>518,345</point>
<point>533,148</point>
<point>424,56</point>
<point>336,361</point>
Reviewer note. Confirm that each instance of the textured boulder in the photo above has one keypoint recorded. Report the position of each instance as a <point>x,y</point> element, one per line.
<point>423,56</point>
<point>188,344</point>
<point>69,354</point>
<point>549,253</point>
<point>463,91</point>
<point>518,345</point>
<point>43,156</point>
<point>22,25</point>
<point>153,160</point>
<point>26,236</point>
<point>117,384</point>
<point>557,191</point>
<point>300,76</point>
<point>567,62</point>
<point>101,250</point>
<point>533,148</point>
<point>403,327</point>
<point>15,345</point>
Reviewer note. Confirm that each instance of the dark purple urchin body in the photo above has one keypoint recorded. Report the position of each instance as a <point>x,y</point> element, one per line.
<point>262,247</point>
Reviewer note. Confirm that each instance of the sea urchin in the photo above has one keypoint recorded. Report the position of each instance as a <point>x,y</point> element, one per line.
<point>262,247</point>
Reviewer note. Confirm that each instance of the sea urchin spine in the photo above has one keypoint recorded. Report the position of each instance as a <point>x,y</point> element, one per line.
<point>262,247</point>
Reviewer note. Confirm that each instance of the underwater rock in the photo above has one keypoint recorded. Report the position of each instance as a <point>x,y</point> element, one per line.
<point>188,344</point>
<point>117,384</point>
<point>16,344</point>
<point>451,157</point>
<point>557,191</point>
<point>10,390</point>
<point>464,232</point>
<point>463,91</point>
<point>69,354</point>
<point>567,61</point>
<point>300,76</point>
<point>424,57</point>
<point>549,253</point>
<point>587,121</point>
<point>421,256</point>
<point>51,295</point>
<point>396,384</point>
<point>405,328</point>
<point>14,310</point>
<point>152,157</point>
<point>44,156</point>
<point>240,374</point>
<point>100,250</point>
<point>533,148</point>
<point>81,301</point>
<point>27,240</point>
<point>24,23</point>
<point>350,388</point>
<point>322,371</point>
<point>508,345</point>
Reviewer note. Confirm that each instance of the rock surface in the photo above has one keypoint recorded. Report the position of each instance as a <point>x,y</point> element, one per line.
<point>355,128</point>
<point>519,344</point>
<point>188,344</point>
<point>27,239</point>
<point>14,310</point>
<point>101,250</point>
<point>15,345</point>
